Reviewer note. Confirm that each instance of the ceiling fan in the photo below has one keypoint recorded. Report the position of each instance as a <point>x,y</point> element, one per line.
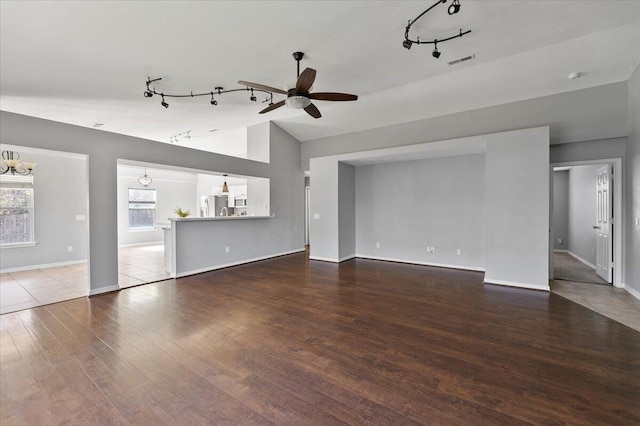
<point>299,96</point>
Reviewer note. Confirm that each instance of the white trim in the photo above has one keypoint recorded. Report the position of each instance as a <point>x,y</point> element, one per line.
<point>18,245</point>
<point>41,266</point>
<point>417,262</point>
<point>349,257</point>
<point>324,259</point>
<point>240,262</point>
<point>102,290</point>
<point>560,251</point>
<point>632,291</point>
<point>519,285</point>
<point>589,264</point>
<point>151,243</point>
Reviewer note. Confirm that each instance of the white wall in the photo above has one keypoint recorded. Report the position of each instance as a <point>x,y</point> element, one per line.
<point>561,209</point>
<point>412,205</point>
<point>582,212</point>
<point>60,191</point>
<point>632,213</point>
<point>173,189</point>
<point>517,209</point>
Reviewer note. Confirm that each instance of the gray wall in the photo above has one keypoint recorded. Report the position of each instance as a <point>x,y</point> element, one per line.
<point>588,150</point>
<point>561,209</point>
<point>60,190</point>
<point>517,209</point>
<point>632,243</point>
<point>200,244</point>
<point>582,212</point>
<point>104,149</point>
<point>409,206</point>
<point>347,210</point>
<point>589,114</point>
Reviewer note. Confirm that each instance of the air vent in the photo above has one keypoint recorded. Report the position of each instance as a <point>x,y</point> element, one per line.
<point>465,59</point>
<point>213,130</point>
<point>97,125</point>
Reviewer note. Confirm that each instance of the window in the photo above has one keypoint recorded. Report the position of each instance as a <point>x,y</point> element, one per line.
<point>142,209</point>
<point>16,215</point>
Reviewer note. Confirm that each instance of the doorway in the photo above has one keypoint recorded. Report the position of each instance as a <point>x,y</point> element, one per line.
<point>586,244</point>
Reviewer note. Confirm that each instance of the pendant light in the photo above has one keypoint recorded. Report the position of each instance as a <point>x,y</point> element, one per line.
<point>145,180</point>
<point>225,188</point>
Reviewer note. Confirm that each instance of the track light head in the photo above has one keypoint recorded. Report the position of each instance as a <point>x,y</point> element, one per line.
<point>252,98</point>
<point>163,103</point>
<point>454,7</point>
<point>436,53</point>
<point>407,44</point>
<point>148,93</point>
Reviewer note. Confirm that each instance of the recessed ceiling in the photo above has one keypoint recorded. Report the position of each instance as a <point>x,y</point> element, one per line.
<point>86,62</point>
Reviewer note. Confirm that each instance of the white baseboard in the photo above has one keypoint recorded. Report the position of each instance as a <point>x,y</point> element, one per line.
<point>517,284</point>
<point>632,291</point>
<point>149,243</point>
<point>416,262</point>
<point>351,256</point>
<point>560,251</point>
<point>324,259</point>
<point>101,290</point>
<point>41,266</point>
<point>239,262</point>
<point>589,264</point>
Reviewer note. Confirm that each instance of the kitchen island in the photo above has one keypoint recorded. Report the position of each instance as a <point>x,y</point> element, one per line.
<point>200,244</point>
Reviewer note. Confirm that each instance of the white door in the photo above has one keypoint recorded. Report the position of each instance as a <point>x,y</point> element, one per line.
<point>603,225</point>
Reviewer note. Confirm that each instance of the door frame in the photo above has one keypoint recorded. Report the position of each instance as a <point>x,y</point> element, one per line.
<point>618,214</point>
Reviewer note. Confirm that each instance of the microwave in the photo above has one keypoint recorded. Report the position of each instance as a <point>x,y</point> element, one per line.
<point>241,202</point>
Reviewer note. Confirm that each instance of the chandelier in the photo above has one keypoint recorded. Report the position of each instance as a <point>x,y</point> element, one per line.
<point>11,163</point>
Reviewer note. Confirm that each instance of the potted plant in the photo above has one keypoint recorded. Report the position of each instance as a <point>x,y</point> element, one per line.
<point>182,213</point>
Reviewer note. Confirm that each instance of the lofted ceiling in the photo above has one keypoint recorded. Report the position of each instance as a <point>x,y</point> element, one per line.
<point>86,62</point>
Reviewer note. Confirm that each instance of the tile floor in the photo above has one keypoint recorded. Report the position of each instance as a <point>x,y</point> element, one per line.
<point>28,289</point>
<point>612,302</point>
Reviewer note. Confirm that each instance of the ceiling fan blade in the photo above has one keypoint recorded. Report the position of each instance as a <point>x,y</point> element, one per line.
<point>262,87</point>
<point>331,96</point>
<point>313,111</point>
<point>306,79</point>
<point>272,107</point>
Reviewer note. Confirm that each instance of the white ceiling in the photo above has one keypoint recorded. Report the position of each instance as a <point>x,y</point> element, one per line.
<point>86,62</point>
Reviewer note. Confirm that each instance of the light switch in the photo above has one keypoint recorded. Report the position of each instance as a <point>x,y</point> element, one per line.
<point>316,215</point>
<point>637,221</point>
<point>80,217</point>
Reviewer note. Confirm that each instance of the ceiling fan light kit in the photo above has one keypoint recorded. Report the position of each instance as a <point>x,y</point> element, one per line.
<point>454,8</point>
<point>298,97</point>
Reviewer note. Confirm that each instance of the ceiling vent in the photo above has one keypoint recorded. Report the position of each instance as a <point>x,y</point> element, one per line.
<point>97,125</point>
<point>213,130</point>
<point>465,59</point>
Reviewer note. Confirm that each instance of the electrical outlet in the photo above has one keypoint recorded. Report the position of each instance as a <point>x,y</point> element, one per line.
<point>226,249</point>
<point>458,252</point>
<point>316,216</point>
<point>559,240</point>
<point>70,249</point>
<point>377,245</point>
<point>433,249</point>
<point>637,221</point>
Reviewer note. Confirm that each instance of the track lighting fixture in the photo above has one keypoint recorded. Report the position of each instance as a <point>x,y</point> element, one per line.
<point>452,10</point>
<point>218,91</point>
<point>435,53</point>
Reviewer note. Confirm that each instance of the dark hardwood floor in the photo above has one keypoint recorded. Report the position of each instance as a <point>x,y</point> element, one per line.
<point>288,341</point>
